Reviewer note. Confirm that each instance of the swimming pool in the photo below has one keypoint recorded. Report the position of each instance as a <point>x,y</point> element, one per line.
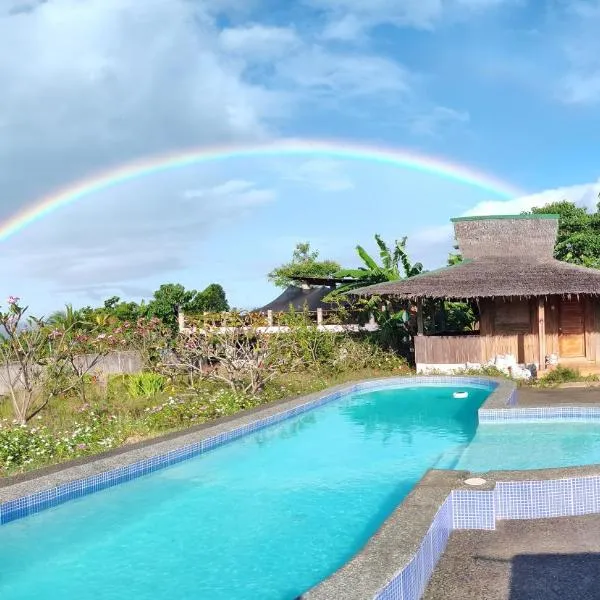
<point>266,516</point>
<point>531,445</point>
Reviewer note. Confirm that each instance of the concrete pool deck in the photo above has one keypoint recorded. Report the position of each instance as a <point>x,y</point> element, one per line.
<point>543,559</point>
<point>571,396</point>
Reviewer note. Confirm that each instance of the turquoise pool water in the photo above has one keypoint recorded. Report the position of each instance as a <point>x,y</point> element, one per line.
<point>537,445</point>
<point>265,517</point>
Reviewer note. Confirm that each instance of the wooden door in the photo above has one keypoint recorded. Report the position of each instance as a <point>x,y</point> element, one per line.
<point>571,329</point>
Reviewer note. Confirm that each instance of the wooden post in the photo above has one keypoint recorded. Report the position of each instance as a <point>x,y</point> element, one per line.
<point>419,317</point>
<point>270,318</point>
<point>542,333</point>
<point>319,316</point>
<point>443,316</point>
<point>180,319</point>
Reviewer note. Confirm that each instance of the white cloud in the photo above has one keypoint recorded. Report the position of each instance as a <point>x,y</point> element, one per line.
<point>259,42</point>
<point>235,192</point>
<point>116,79</point>
<point>583,195</point>
<point>349,19</point>
<point>324,174</point>
<point>438,119</point>
<point>331,73</point>
<point>134,233</point>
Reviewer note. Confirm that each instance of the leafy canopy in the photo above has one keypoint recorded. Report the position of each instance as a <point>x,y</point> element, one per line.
<point>172,297</point>
<point>304,263</point>
<point>395,264</point>
<point>578,239</point>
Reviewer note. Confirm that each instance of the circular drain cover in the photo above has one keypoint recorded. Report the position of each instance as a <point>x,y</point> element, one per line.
<point>475,481</point>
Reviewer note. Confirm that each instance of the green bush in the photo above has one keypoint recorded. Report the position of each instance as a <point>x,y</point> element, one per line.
<point>145,385</point>
<point>22,445</point>
<point>359,353</point>
<point>561,374</point>
<point>206,405</point>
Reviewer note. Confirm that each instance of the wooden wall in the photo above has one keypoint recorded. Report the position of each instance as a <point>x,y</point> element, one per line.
<point>510,327</point>
<point>443,350</point>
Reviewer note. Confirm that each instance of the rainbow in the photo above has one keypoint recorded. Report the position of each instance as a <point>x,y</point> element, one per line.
<point>315,148</point>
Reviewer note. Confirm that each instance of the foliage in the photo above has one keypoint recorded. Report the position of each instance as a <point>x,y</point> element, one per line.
<point>22,351</point>
<point>304,346</point>
<point>395,265</point>
<point>149,337</point>
<point>560,374</point>
<point>578,238</point>
<point>242,356</point>
<point>460,316</point>
<point>304,263</point>
<point>366,353</point>
<point>179,412</point>
<point>145,385</point>
<point>22,444</point>
<point>171,298</point>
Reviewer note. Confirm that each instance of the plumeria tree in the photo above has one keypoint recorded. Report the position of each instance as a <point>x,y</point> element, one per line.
<point>236,352</point>
<point>149,337</point>
<point>74,353</point>
<point>23,351</point>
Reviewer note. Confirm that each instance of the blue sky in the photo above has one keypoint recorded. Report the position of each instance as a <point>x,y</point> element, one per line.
<point>509,87</point>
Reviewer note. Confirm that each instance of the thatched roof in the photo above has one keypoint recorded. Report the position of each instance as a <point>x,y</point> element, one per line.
<point>299,298</point>
<point>513,235</point>
<point>505,257</point>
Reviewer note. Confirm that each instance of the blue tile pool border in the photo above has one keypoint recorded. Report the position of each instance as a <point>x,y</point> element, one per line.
<point>38,501</point>
<point>482,509</point>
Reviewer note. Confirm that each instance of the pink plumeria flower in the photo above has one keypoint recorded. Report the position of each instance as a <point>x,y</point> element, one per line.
<point>13,299</point>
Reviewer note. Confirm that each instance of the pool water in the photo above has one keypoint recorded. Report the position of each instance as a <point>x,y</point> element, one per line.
<point>266,516</point>
<point>539,445</point>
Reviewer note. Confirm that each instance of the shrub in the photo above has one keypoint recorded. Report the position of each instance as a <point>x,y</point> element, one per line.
<point>145,385</point>
<point>24,445</point>
<point>357,353</point>
<point>206,405</point>
<point>559,375</point>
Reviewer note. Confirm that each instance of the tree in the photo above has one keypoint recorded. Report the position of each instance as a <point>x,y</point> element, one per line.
<point>304,263</point>
<point>211,299</point>
<point>69,317</point>
<point>395,265</point>
<point>22,353</point>
<point>578,239</point>
<point>236,352</point>
<point>170,298</point>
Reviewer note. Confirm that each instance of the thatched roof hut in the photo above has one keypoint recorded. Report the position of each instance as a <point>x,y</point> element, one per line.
<point>300,298</point>
<point>505,256</point>
<point>309,293</point>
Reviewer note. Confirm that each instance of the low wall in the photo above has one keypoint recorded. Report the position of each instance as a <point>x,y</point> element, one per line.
<point>115,363</point>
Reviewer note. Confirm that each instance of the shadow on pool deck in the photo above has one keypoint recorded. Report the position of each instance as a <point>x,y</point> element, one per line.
<point>545,559</point>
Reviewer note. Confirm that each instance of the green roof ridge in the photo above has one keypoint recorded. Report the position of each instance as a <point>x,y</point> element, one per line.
<point>495,217</point>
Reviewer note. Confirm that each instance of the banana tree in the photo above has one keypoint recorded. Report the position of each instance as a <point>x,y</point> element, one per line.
<point>394,319</point>
<point>395,264</point>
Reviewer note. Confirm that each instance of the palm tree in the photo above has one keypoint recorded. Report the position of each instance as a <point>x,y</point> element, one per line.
<point>67,318</point>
